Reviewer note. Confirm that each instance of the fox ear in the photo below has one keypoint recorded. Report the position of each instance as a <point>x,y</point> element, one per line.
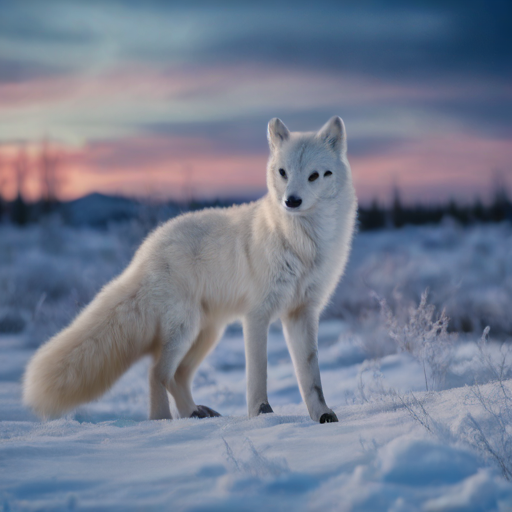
<point>334,135</point>
<point>277,133</point>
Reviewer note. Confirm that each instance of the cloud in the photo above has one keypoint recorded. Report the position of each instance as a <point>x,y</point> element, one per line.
<point>136,87</point>
<point>396,40</point>
<point>28,22</point>
<point>16,72</point>
<point>489,115</point>
<point>434,170</point>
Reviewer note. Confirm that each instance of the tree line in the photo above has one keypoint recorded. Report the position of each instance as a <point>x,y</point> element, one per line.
<point>47,162</point>
<point>398,214</point>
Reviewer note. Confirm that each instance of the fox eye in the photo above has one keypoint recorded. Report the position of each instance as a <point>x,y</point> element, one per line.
<point>327,173</point>
<point>313,176</point>
<point>282,172</point>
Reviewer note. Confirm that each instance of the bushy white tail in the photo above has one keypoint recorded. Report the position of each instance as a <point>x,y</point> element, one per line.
<point>85,359</point>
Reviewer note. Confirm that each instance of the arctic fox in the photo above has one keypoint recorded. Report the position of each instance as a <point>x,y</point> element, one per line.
<point>279,257</point>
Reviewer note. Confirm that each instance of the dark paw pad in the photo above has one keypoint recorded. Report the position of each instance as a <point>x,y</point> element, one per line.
<point>265,408</point>
<point>204,412</point>
<point>328,417</point>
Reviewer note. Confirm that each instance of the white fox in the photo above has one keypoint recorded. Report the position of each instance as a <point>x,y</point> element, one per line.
<point>279,257</point>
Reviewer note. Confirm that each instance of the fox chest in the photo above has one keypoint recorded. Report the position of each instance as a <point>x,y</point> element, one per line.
<point>293,282</point>
<point>300,281</point>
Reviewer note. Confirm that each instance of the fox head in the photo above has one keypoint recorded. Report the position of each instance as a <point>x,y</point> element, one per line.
<point>307,169</point>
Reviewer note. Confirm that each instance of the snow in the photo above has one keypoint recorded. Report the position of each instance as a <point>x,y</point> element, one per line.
<point>107,456</point>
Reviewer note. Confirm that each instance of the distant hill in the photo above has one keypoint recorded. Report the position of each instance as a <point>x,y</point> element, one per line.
<point>98,210</point>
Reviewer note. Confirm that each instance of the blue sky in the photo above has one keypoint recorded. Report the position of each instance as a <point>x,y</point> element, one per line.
<point>171,98</point>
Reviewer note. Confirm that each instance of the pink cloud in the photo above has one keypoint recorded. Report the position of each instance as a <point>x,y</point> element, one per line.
<point>163,167</point>
<point>435,169</point>
<point>428,169</point>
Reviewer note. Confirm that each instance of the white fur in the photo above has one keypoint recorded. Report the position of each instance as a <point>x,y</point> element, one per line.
<point>200,271</point>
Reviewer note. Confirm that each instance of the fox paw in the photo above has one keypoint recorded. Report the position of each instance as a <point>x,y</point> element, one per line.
<point>204,412</point>
<point>265,408</point>
<point>328,417</point>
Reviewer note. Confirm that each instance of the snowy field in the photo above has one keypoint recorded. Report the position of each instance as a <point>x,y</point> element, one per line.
<point>425,403</point>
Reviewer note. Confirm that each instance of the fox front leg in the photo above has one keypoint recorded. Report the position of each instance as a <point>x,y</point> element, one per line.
<point>301,333</point>
<point>255,336</point>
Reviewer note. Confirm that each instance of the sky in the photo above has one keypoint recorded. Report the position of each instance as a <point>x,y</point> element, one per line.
<point>172,99</point>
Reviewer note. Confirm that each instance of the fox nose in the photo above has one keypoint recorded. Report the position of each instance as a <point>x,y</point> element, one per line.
<point>293,202</point>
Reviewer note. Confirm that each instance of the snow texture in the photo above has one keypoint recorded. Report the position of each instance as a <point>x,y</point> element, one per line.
<point>397,447</point>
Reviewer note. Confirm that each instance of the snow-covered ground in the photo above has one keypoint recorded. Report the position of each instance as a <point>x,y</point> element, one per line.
<point>397,446</point>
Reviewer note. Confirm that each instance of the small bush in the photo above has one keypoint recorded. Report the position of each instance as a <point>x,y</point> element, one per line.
<point>491,432</point>
<point>425,337</point>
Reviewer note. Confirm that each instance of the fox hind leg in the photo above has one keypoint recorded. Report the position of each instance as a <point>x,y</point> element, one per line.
<point>159,401</point>
<point>183,378</point>
<point>174,345</point>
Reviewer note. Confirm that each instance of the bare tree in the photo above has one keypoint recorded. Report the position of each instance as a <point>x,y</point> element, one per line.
<point>3,180</point>
<point>19,213</point>
<point>501,207</point>
<point>188,192</point>
<point>49,176</point>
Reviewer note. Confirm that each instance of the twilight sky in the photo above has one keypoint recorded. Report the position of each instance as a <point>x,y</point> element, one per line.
<point>169,99</point>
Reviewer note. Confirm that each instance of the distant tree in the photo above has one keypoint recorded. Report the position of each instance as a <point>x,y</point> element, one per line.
<point>3,180</point>
<point>501,208</point>
<point>398,216</point>
<point>20,209</point>
<point>49,178</point>
<point>188,191</point>
<point>457,212</point>
<point>373,217</point>
<point>478,212</point>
